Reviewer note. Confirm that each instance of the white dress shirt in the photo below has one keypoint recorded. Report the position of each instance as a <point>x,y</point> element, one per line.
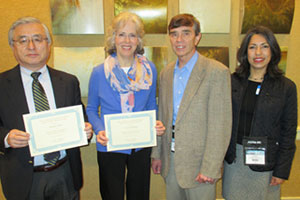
<point>45,81</point>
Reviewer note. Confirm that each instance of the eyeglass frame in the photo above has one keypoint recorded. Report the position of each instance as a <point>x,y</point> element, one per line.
<point>124,36</point>
<point>30,39</point>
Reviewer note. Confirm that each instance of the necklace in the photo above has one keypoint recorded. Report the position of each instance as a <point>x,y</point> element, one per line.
<point>256,79</point>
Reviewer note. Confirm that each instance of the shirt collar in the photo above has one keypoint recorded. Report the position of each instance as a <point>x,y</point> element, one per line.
<point>190,64</point>
<point>28,72</point>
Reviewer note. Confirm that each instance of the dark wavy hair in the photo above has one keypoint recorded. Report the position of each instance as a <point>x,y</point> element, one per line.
<point>243,70</point>
<point>185,20</point>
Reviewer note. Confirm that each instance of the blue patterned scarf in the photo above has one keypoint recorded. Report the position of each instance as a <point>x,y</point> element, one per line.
<point>139,77</point>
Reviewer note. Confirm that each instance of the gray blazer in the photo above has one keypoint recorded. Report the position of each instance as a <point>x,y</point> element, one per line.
<point>203,123</point>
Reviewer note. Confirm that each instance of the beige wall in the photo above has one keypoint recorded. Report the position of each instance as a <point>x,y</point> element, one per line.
<point>10,10</point>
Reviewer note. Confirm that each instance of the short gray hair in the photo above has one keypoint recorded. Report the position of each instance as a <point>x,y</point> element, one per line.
<point>26,20</point>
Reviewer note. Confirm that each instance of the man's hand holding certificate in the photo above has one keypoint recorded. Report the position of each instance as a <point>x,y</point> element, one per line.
<point>130,130</point>
<point>54,130</point>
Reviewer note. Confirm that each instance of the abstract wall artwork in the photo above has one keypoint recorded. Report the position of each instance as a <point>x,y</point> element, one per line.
<point>77,16</point>
<point>282,63</point>
<point>79,61</point>
<point>277,15</point>
<point>220,54</point>
<point>214,15</point>
<point>152,12</point>
<point>157,55</point>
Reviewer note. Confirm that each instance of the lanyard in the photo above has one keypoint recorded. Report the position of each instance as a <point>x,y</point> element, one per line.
<point>258,90</point>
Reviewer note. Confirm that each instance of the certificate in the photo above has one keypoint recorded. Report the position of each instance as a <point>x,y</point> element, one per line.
<point>55,130</point>
<point>130,130</point>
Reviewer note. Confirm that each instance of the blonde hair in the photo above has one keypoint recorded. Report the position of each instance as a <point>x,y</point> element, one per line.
<point>119,22</point>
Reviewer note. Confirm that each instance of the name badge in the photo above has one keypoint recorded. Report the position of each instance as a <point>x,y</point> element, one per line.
<point>255,150</point>
<point>173,145</point>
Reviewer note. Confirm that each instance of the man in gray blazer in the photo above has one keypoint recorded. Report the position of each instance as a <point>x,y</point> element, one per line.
<point>195,107</point>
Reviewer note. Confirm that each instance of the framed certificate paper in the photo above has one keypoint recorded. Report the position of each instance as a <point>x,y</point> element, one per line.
<point>55,130</point>
<point>130,130</point>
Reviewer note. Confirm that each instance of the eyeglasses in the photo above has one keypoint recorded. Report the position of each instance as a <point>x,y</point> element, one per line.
<point>130,36</point>
<point>24,41</point>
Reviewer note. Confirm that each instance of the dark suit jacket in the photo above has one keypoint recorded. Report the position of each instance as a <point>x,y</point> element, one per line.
<point>16,164</point>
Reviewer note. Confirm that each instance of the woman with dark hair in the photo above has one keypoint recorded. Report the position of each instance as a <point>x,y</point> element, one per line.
<point>264,103</point>
<point>125,82</point>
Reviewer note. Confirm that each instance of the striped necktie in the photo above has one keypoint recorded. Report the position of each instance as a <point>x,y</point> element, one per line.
<point>41,104</point>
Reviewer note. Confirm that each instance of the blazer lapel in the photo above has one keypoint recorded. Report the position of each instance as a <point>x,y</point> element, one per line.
<point>15,91</point>
<point>194,82</point>
<point>169,91</point>
<point>58,87</point>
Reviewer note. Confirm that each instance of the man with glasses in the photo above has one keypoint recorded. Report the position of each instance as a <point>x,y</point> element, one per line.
<point>56,175</point>
<point>195,107</point>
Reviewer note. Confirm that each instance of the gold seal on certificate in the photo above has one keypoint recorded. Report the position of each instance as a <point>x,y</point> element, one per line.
<point>55,130</point>
<point>130,130</point>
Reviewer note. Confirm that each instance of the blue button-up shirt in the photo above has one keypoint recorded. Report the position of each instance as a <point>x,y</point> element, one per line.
<point>181,77</point>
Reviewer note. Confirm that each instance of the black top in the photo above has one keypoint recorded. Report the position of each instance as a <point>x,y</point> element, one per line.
<point>274,117</point>
<point>247,110</point>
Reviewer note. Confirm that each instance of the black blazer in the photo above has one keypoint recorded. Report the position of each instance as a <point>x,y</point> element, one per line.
<point>275,117</point>
<point>16,165</point>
